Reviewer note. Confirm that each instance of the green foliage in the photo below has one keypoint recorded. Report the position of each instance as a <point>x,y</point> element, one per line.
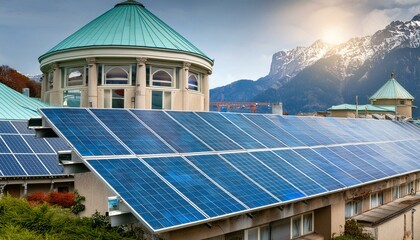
<point>353,231</point>
<point>78,206</point>
<point>20,220</point>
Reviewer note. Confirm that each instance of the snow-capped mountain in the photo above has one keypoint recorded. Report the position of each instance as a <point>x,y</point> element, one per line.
<point>315,77</point>
<point>34,77</point>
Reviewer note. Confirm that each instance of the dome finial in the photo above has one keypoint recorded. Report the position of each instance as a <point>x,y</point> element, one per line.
<point>392,75</point>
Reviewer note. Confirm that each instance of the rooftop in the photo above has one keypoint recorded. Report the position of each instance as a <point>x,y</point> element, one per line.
<point>391,90</point>
<point>128,24</point>
<point>16,106</point>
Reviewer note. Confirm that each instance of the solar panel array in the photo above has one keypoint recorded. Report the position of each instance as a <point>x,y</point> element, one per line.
<point>21,154</point>
<point>176,169</point>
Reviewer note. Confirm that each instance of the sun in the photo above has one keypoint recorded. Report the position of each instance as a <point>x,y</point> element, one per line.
<point>332,35</point>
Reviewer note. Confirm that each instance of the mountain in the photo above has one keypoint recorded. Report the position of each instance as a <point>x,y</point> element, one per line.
<point>309,79</point>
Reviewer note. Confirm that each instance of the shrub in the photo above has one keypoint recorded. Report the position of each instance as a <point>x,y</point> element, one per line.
<point>353,231</point>
<point>63,199</point>
<point>37,198</point>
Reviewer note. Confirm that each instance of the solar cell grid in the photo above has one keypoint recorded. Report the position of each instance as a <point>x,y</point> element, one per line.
<point>16,144</point>
<point>6,127</point>
<point>179,138</point>
<point>10,167</point>
<point>274,130</point>
<point>51,163</point>
<point>207,133</point>
<point>38,145</point>
<point>322,162</point>
<point>131,132</point>
<point>257,171</point>
<point>22,127</point>
<point>232,180</point>
<point>86,134</point>
<point>311,170</point>
<point>200,190</point>
<point>3,147</point>
<point>254,131</point>
<point>230,130</point>
<point>284,169</point>
<point>159,204</point>
<point>32,164</point>
<point>292,129</point>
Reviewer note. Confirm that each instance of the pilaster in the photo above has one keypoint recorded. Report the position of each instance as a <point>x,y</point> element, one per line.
<point>140,97</point>
<point>92,83</point>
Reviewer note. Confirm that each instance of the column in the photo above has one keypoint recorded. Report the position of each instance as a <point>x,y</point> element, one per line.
<point>206,91</point>
<point>140,99</point>
<point>55,96</point>
<point>183,85</point>
<point>92,83</point>
<point>44,81</point>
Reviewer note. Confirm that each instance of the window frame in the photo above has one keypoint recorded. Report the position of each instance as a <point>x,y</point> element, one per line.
<point>171,71</point>
<point>379,196</point>
<point>109,99</point>
<point>300,218</point>
<point>192,86</point>
<point>354,208</point>
<point>67,90</point>
<point>259,232</point>
<point>50,80</point>
<point>165,103</point>
<point>106,68</point>
<point>84,76</point>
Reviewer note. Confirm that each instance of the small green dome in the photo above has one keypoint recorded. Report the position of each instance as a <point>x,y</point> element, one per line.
<point>391,90</point>
<point>128,24</point>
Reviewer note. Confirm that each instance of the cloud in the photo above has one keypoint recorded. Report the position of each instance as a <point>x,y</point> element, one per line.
<point>375,20</point>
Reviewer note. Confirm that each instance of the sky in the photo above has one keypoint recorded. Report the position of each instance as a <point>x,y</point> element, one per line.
<point>240,35</point>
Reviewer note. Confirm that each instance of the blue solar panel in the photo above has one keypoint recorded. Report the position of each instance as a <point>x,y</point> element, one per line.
<point>253,130</point>
<point>274,130</point>
<point>3,147</point>
<point>211,164</point>
<point>322,162</point>
<point>57,144</point>
<point>86,134</point>
<point>373,160</point>
<point>38,145</point>
<point>293,130</point>
<point>345,165</point>
<point>157,203</point>
<point>289,172</point>
<point>22,127</point>
<point>51,163</point>
<point>6,127</point>
<point>134,134</point>
<point>205,132</point>
<point>179,138</point>
<point>274,183</point>
<point>32,164</point>
<point>9,166</point>
<point>16,144</point>
<point>310,170</point>
<point>200,190</point>
<point>358,162</point>
<point>230,130</point>
<point>232,180</point>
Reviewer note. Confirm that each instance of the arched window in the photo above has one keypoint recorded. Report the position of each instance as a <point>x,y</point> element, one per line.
<point>162,78</point>
<point>117,74</point>
<point>193,82</point>
<point>75,76</point>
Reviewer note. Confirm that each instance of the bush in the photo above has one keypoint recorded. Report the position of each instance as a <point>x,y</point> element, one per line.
<point>63,199</point>
<point>37,198</point>
<point>353,231</point>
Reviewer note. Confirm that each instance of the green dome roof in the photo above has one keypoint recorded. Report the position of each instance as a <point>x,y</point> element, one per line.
<point>391,90</point>
<point>128,24</point>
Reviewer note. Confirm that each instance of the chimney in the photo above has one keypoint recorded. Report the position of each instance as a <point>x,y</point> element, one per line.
<point>277,108</point>
<point>25,91</point>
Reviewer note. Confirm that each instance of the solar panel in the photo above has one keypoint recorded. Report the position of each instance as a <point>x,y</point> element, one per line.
<point>22,154</point>
<point>176,169</point>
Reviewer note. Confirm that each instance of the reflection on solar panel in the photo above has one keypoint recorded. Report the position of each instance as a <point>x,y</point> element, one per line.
<point>177,169</point>
<point>21,154</point>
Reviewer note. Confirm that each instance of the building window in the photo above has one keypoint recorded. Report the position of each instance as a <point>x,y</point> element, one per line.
<point>194,82</point>
<point>117,75</point>
<point>162,77</point>
<point>376,199</point>
<point>161,100</point>
<point>114,98</point>
<point>402,102</point>
<point>395,192</point>
<point>75,76</point>
<point>258,233</point>
<point>353,207</point>
<point>302,225</point>
<point>71,98</point>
